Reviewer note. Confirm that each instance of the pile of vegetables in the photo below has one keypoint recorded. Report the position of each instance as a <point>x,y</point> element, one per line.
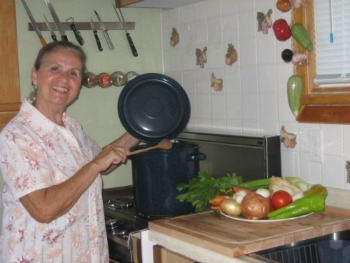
<point>270,198</point>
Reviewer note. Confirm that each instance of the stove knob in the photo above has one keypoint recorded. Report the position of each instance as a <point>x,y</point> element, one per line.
<point>112,224</point>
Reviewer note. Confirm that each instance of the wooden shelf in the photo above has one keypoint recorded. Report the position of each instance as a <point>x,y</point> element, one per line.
<point>85,26</point>
<point>122,3</point>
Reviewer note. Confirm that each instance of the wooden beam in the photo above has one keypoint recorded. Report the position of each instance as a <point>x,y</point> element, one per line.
<point>122,3</point>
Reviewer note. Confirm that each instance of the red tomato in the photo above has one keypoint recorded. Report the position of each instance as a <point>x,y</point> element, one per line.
<point>281,29</point>
<point>280,199</point>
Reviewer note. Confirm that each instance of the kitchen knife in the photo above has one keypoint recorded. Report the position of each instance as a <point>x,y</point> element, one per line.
<point>122,21</point>
<point>42,40</point>
<point>76,32</point>
<point>95,34</point>
<point>105,32</point>
<point>53,35</point>
<point>57,20</point>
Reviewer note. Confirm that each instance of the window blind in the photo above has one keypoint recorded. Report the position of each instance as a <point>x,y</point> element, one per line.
<point>332,58</point>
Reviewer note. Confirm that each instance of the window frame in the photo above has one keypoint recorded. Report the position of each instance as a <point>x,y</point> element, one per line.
<point>318,105</point>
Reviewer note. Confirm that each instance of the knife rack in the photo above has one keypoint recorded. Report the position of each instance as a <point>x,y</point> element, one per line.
<point>85,26</point>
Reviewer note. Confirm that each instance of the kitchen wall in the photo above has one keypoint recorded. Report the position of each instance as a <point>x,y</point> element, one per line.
<point>254,97</point>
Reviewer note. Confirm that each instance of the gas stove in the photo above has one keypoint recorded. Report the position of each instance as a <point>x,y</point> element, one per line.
<point>122,220</point>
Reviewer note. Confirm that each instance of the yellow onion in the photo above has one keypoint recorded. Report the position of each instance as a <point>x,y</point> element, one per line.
<point>255,206</point>
<point>230,207</point>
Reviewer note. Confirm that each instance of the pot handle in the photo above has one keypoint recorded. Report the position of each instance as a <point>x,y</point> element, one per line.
<point>197,157</point>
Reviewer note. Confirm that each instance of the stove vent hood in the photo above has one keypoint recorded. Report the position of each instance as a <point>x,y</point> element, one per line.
<point>164,4</point>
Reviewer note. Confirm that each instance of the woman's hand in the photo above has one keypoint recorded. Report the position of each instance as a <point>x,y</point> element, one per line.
<point>110,155</point>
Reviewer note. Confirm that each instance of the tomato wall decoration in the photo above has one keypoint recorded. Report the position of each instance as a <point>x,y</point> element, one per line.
<point>283,5</point>
<point>281,29</point>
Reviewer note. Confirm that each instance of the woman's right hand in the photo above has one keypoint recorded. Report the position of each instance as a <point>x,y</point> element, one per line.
<point>110,155</point>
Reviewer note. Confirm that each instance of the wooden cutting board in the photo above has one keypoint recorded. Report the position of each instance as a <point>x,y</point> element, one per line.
<point>234,238</point>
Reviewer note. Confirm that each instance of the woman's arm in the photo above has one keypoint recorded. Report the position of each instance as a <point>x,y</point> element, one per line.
<point>49,203</point>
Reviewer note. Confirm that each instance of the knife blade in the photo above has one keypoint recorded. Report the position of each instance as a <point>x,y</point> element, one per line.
<point>93,28</point>
<point>32,20</point>
<point>122,21</point>
<point>53,35</point>
<point>105,32</point>
<point>57,20</point>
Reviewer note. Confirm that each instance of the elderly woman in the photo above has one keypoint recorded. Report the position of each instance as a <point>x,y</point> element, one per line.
<point>51,169</point>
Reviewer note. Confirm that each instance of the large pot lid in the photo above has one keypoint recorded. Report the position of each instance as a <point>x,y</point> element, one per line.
<point>153,107</point>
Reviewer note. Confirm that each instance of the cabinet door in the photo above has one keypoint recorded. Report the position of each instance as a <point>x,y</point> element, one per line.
<point>163,255</point>
<point>9,75</point>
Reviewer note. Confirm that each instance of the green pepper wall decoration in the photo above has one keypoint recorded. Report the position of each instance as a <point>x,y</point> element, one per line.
<point>294,91</point>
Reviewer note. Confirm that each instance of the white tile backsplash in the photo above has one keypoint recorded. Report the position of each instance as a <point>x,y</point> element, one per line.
<point>254,96</point>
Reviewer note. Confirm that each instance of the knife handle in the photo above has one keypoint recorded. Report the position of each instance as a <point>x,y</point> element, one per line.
<point>64,38</point>
<point>54,38</point>
<point>98,41</point>
<point>42,41</point>
<point>77,34</point>
<point>132,46</point>
<point>108,40</point>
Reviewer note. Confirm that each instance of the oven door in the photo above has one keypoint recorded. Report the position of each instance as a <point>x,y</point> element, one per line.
<point>119,249</point>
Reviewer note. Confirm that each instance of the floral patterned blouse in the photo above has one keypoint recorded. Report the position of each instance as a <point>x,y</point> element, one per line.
<point>36,153</point>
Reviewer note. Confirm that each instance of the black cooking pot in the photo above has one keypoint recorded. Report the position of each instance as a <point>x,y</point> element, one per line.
<point>156,175</point>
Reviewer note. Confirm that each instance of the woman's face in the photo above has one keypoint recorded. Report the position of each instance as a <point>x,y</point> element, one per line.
<point>58,80</point>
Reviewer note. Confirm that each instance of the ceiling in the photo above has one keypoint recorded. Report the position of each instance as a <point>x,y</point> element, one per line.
<point>164,3</point>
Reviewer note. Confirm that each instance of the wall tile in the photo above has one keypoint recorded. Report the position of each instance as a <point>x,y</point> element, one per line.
<point>216,56</point>
<point>174,17</point>
<point>290,164</point>
<point>202,81</point>
<point>200,11</point>
<point>268,107</point>
<point>249,107</point>
<point>247,52</point>
<point>333,171</point>
<point>214,30</point>
<point>230,29</point>
<point>249,81</point>
<point>232,79</point>
<point>200,34</point>
<point>332,139</point>
<point>267,81</point>
<point>266,49</point>
<point>186,14</point>
<point>175,59</point>
<point>188,59</point>
<point>229,7</point>
<point>247,26</point>
<point>218,104</point>
<point>213,8</point>
<point>234,106</point>
<point>204,106</point>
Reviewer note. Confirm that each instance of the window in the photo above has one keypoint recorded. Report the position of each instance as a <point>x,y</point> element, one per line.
<point>320,103</point>
<point>332,40</point>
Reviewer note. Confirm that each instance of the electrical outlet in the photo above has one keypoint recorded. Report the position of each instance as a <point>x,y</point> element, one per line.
<point>316,146</point>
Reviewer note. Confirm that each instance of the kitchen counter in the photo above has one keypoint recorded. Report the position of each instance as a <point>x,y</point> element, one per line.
<point>207,237</point>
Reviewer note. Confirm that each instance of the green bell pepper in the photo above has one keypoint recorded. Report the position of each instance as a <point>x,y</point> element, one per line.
<point>302,206</point>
